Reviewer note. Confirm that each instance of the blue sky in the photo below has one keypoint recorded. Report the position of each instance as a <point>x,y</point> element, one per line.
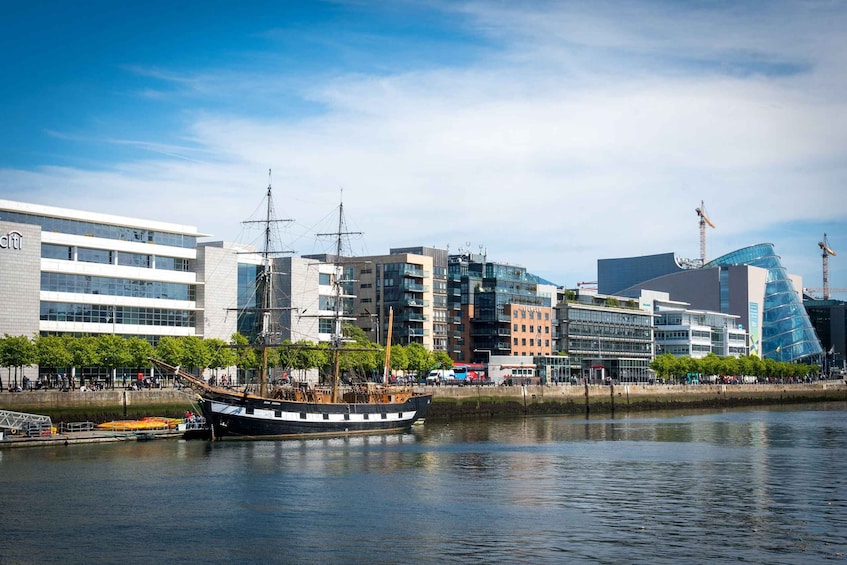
<point>549,134</point>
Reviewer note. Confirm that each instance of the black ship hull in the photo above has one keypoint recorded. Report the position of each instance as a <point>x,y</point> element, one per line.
<point>234,416</point>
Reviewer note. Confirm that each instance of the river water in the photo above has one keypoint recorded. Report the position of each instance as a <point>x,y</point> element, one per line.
<point>746,486</point>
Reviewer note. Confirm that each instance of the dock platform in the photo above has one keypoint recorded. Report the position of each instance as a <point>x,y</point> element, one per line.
<point>91,436</point>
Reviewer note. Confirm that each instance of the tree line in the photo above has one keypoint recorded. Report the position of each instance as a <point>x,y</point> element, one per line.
<point>669,367</point>
<point>360,358</point>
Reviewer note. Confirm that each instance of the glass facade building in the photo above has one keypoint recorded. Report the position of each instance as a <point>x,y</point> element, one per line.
<point>787,332</point>
<point>84,273</point>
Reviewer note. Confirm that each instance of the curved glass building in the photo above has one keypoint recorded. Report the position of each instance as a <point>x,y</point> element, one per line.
<point>787,332</point>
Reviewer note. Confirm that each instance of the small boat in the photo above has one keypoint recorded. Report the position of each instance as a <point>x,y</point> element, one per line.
<point>306,410</point>
<point>148,423</point>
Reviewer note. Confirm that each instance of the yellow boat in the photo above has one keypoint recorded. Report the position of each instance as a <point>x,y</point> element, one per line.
<point>149,423</point>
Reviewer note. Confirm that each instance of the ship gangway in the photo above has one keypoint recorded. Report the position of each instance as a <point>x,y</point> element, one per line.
<point>20,421</point>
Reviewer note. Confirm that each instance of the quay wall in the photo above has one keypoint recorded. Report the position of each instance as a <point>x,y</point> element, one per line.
<point>452,402</point>
<point>99,406</point>
<point>469,402</point>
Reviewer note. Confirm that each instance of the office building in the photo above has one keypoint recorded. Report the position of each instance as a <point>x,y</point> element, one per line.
<point>750,283</point>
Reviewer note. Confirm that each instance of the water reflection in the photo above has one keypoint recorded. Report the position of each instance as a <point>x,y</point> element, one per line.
<point>765,486</point>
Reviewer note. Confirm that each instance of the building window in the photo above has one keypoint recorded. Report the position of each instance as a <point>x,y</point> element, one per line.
<point>103,314</point>
<point>50,251</point>
<point>79,227</point>
<point>133,260</point>
<point>173,264</point>
<point>85,284</point>
<point>86,255</point>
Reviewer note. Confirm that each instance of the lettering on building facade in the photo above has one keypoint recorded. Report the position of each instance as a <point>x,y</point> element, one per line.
<point>12,240</point>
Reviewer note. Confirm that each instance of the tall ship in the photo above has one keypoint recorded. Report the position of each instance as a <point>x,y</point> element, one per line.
<point>303,409</point>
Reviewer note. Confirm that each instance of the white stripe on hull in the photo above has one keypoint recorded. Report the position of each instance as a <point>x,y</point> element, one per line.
<point>259,414</point>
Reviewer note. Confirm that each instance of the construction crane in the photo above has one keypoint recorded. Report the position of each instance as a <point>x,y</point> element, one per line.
<point>704,221</point>
<point>826,251</point>
<point>813,291</point>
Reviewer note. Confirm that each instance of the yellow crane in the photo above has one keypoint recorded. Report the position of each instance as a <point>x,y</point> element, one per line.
<point>826,251</point>
<point>704,221</point>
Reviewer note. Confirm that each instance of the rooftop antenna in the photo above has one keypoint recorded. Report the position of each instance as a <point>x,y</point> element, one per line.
<point>704,220</point>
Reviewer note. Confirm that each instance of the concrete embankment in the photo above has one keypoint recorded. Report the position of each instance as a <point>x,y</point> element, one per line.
<point>470,402</point>
<point>451,403</point>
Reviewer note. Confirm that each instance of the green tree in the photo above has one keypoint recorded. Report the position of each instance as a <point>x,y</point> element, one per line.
<point>663,365</point>
<point>169,350</point>
<point>419,359</point>
<point>195,353</point>
<point>399,360</point>
<point>360,355</point>
<point>753,366</point>
<point>85,354</point>
<point>18,352</point>
<point>732,366</point>
<point>114,353</point>
<point>284,356</point>
<point>441,359</point>
<point>246,357</point>
<point>221,355</point>
<point>684,366</point>
<point>140,351</point>
<point>711,365</point>
<point>306,355</point>
<point>53,353</point>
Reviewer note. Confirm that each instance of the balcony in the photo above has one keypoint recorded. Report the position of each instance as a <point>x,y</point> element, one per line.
<point>412,272</point>
<point>413,287</point>
<point>410,316</point>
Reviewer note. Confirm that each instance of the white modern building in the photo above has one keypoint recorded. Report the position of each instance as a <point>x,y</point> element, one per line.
<point>686,332</point>
<point>82,273</point>
<point>96,273</point>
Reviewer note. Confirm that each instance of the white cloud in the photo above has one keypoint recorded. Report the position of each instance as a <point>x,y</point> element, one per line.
<point>588,133</point>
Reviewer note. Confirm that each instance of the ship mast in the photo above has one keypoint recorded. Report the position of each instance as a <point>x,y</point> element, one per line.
<point>267,294</point>
<point>387,368</point>
<point>266,284</point>
<point>337,336</point>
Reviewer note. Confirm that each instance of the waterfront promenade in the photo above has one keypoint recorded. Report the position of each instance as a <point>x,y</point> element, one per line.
<point>452,401</point>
